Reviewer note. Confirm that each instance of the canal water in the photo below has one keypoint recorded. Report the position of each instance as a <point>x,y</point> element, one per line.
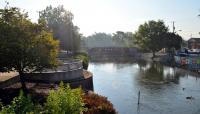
<point>163,89</point>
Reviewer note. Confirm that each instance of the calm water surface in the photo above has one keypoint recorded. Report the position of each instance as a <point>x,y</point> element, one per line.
<point>163,89</point>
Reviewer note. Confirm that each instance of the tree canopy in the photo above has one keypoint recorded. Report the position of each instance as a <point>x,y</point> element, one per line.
<point>172,40</point>
<point>59,21</point>
<point>150,35</point>
<point>25,46</point>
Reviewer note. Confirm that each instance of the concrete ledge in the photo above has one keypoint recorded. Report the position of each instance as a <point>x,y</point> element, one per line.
<point>52,77</point>
<point>69,72</point>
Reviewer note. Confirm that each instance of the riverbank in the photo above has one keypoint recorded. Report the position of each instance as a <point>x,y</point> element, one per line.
<point>164,59</point>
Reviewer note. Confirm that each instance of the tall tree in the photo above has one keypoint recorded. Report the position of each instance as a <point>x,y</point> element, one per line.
<point>59,21</point>
<point>24,46</point>
<point>149,35</point>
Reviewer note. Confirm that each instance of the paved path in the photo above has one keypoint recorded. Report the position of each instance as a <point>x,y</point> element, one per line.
<point>7,75</point>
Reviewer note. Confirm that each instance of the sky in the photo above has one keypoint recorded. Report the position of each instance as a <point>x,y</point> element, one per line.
<point>121,15</point>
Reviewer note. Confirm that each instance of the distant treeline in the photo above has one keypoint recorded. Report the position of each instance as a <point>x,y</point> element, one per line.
<point>118,39</point>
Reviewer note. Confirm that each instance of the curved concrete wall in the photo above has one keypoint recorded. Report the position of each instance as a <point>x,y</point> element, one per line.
<point>54,77</point>
<point>68,71</point>
<point>86,84</point>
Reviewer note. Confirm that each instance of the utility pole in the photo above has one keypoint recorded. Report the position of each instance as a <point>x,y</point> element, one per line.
<point>173,27</point>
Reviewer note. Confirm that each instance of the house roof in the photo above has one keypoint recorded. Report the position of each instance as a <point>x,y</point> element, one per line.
<point>194,40</point>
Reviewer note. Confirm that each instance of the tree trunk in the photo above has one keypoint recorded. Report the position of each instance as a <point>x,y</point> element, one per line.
<point>21,75</point>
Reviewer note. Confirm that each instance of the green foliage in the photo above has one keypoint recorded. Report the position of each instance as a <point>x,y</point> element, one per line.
<point>149,35</point>
<point>84,58</point>
<point>1,105</point>
<point>19,105</point>
<point>59,21</point>
<point>25,46</point>
<point>172,40</point>
<point>64,101</point>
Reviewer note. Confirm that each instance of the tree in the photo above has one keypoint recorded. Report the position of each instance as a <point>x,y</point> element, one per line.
<point>59,21</point>
<point>149,35</point>
<point>172,42</point>
<point>25,46</point>
<point>123,39</point>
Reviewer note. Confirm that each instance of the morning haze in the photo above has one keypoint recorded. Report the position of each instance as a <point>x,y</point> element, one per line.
<point>122,15</point>
<point>100,57</point>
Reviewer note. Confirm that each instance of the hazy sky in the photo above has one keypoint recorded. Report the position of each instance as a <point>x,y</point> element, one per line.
<point>121,15</point>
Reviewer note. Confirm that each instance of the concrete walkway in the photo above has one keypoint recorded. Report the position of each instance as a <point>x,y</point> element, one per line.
<point>7,75</point>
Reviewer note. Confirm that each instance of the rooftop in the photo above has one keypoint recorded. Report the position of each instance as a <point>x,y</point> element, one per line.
<point>194,39</point>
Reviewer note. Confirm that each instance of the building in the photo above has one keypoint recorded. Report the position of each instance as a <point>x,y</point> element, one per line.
<point>194,43</point>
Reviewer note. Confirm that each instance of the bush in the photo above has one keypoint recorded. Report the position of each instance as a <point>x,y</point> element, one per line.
<point>84,58</point>
<point>61,101</point>
<point>64,101</point>
<point>97,104</point>
<point>19,105</point>
<point>1,105</point>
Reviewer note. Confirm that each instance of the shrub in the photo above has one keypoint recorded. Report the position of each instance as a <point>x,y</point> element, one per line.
<point>64,101</point>
<point>1,105</point>
<point>19,105</point>
<point>97,104</point>
<point>84,58</point>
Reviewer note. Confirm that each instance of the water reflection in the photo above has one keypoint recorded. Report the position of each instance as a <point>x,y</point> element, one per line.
<point>157,73</point>
<point>154,73</point>
<point>161,87</point>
